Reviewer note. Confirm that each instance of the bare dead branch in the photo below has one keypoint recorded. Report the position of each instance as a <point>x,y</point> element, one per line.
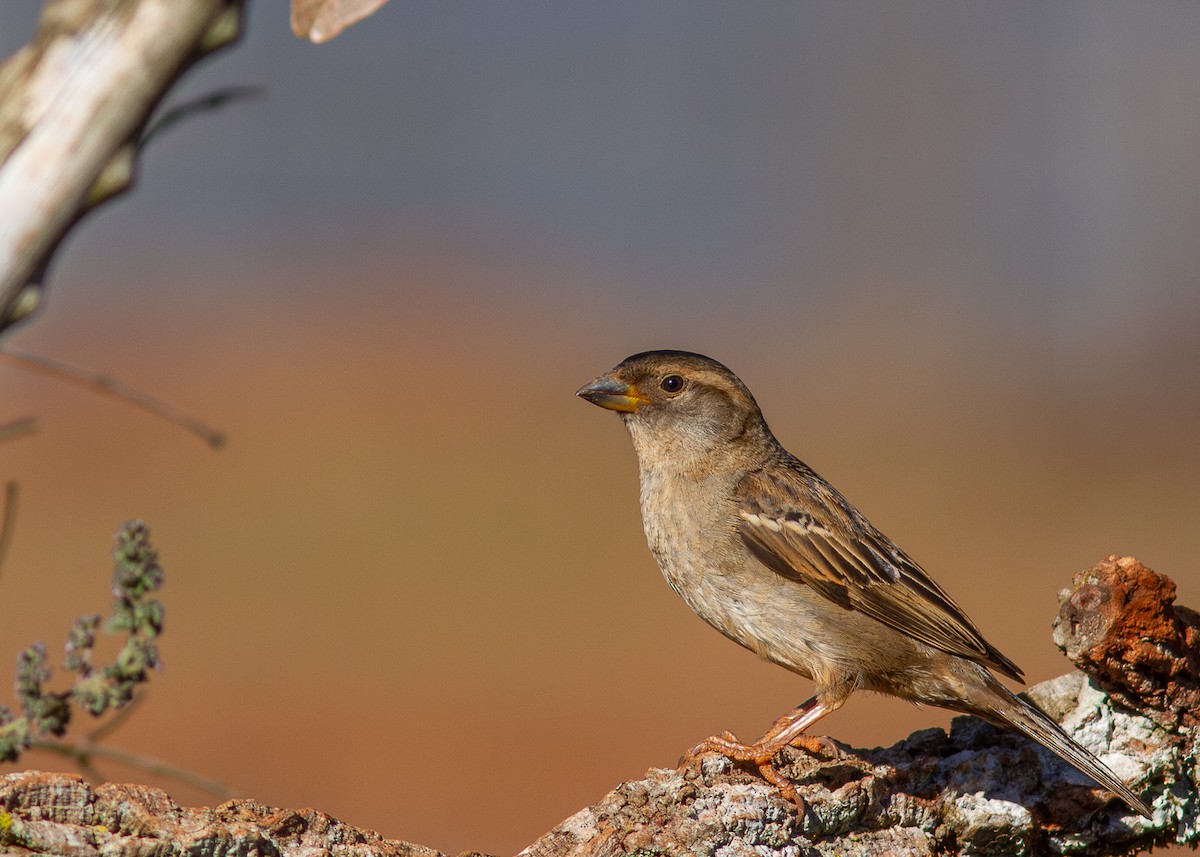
<point>18,428</point>
<point>100,383</point>
<point>85,753</point>
<point>217,100</point>
<point>72,106</point>
<point>8,521</point>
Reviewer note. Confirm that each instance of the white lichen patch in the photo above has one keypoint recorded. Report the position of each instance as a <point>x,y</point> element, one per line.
<point>991,825</point>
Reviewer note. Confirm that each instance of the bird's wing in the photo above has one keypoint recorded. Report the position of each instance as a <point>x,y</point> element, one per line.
<point>800,527</point>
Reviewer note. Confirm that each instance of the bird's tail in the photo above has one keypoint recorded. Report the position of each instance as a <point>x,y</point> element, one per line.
<point>1016,713</point>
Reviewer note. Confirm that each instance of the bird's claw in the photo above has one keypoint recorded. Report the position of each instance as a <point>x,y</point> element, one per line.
<point>761,755</point>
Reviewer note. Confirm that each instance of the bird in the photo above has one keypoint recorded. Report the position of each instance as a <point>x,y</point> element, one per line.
<point>770,554</point>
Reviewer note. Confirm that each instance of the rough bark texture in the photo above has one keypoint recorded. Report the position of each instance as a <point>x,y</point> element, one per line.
<point>61,814</point>
<point>976,790</point>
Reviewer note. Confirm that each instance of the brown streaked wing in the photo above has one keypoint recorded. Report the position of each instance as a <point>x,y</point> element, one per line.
<point>800,527</point>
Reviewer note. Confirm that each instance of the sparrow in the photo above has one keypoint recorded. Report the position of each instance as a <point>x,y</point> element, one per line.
<point>776,559</point>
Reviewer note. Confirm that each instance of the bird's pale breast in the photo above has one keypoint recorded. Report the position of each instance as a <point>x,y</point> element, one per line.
<point>692,535</point>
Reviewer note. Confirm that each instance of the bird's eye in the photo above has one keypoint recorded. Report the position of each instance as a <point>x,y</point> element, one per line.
<point>672,383</point>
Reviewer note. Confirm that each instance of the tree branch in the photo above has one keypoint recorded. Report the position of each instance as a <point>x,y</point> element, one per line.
<point>72,106</point>
<point>8,519</point>
<point>977,790</point>
<point>85,753</point>
<point>107,385</point>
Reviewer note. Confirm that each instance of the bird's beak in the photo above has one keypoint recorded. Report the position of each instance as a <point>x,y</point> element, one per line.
<point>609,391</point>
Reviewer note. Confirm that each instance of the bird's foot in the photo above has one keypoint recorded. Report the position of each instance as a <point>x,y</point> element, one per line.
<point>762,756</point>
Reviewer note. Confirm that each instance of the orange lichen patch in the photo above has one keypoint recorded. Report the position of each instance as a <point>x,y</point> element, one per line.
<point>1119,623</point>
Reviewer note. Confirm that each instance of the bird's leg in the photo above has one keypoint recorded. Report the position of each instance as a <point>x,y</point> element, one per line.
<point>787,725</point>
<point>785,731</point>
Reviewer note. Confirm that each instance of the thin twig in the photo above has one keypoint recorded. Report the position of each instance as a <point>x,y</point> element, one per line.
<point>84,752</point>
<point>105,384</point>
<point>211,101</point>
<point>18,428</point>
<point>116,721</point>
<point>9,519</point>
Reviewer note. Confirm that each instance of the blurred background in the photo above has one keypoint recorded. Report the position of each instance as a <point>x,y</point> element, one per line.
<point>953,249</point>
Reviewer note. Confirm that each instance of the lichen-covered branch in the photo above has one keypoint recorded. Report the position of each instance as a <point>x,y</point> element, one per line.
<point>976,790</point>
<point>73,104</point>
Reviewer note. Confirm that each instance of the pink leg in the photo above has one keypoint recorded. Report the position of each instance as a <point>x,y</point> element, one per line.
<point>786,730</point>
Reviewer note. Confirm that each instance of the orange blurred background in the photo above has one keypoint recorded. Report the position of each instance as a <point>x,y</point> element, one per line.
<point>951,249</point>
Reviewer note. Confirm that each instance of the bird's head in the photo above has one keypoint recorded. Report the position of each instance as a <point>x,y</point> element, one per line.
<point>679,406</point>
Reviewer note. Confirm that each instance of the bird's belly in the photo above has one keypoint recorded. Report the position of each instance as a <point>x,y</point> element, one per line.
<point>757,613</point>
<point>789,624</point>
<point>778,619</point>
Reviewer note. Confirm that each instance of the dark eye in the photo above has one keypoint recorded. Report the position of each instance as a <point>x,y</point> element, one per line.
<point>672,383</point>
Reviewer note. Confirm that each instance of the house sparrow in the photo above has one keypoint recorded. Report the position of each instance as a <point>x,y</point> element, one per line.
<point>773,557</point>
